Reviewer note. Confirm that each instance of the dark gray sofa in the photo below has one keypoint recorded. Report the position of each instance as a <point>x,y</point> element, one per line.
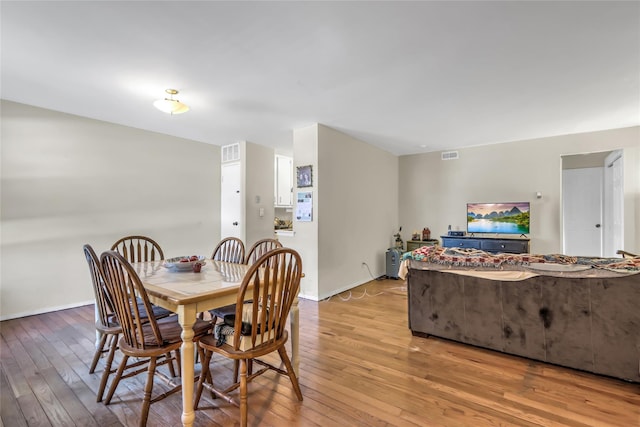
<point>588,321</point>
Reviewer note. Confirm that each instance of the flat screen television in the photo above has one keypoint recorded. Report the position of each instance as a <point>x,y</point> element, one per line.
<point>499,218</point>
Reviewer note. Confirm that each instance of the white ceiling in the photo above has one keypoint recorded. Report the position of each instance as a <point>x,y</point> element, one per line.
<point>408,77</point>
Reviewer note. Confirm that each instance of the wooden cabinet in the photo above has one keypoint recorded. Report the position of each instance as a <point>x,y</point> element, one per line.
<point>283,181</point>
<point>487,244</point>
<point>412,245</point>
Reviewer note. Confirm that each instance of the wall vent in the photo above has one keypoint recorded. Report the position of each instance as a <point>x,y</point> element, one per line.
<point>449,155</point>
<point>230,152</point>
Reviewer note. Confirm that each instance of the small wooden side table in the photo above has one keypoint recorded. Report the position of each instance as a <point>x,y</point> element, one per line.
<point>415,244</point>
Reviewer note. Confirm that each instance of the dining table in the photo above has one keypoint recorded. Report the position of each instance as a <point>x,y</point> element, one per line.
<point>188,293</point>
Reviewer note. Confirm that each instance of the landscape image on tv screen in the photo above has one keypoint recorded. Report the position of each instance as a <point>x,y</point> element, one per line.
<point>502,218</point>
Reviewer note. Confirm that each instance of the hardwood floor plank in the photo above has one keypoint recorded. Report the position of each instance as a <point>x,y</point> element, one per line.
<point>52,407</point>
<point>11,413</point>
<point>81,402</point>
<point>33,345</point>
<point>360,366</point>
<point>85,385</point>
<point>32,410</point>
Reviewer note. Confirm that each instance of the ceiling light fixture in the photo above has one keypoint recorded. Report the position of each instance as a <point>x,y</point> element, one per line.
<point>170,105</point>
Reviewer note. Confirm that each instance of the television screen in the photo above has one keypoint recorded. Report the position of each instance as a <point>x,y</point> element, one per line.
<point>502,218</point>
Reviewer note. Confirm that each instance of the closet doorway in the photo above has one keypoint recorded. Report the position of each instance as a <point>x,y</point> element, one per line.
<point>592,204</point>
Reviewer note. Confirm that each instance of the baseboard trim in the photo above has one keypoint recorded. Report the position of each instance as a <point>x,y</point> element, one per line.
<point>45,310</point>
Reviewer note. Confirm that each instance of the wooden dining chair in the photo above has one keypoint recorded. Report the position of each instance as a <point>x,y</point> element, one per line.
<point>156,340</point>
<point>138,249</point>
<point>142,249</point>
<point>272,284</point>
<point>230,249</point>
<point>107,324</point>
<point>260,248</point>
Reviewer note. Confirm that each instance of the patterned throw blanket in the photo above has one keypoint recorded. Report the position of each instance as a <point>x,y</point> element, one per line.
<point>477,258</point>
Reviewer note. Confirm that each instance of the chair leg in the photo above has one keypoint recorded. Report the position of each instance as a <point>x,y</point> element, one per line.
<point>117,378</point>
<point>172,370</point>
<point>235,369</point>
<point>213,320</point>
<point>146,401</point>
<point>208,373</point>
<point>204,374</point>
<point>290,372</point>
<point>98,353</point>
<point>243,393</point>
<point>236,363</point>
<point>107,368</point>
<point>178,362</point>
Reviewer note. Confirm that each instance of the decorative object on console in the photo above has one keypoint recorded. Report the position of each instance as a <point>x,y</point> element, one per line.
<point>426,234</point>
<point>399,242</point>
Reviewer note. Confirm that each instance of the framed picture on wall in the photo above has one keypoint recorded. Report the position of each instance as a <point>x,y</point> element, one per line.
<point>304,176</point>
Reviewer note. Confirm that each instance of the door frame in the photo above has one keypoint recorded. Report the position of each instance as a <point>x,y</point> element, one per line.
<point>586,160</point>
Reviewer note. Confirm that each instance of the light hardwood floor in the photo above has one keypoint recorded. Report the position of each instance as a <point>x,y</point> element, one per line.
<point>360,366</point>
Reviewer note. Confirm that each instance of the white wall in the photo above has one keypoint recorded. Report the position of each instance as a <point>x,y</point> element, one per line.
<point>259,193</point>
<point>305,240</point>
<point>358,213</point>
<point>68,180</point>
<point>354,210</point>
<point>434,193</point>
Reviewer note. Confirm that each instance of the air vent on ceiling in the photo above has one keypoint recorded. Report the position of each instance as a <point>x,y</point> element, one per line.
<point>449,155</point>
<point>230,152</point>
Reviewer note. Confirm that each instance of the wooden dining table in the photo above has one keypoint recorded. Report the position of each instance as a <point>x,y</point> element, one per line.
<point>188,293</point>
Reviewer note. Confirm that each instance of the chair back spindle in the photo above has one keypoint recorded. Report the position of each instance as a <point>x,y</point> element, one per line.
<point>138,249</point>
<point>260,248</point>
<point>230,249</point>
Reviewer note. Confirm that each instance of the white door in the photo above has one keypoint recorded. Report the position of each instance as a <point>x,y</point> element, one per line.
<point>613,204</point>
<point>582,211</point>
<point>231,215</point>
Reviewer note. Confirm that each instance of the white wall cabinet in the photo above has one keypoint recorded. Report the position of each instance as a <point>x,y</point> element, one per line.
<point>283,181</point>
